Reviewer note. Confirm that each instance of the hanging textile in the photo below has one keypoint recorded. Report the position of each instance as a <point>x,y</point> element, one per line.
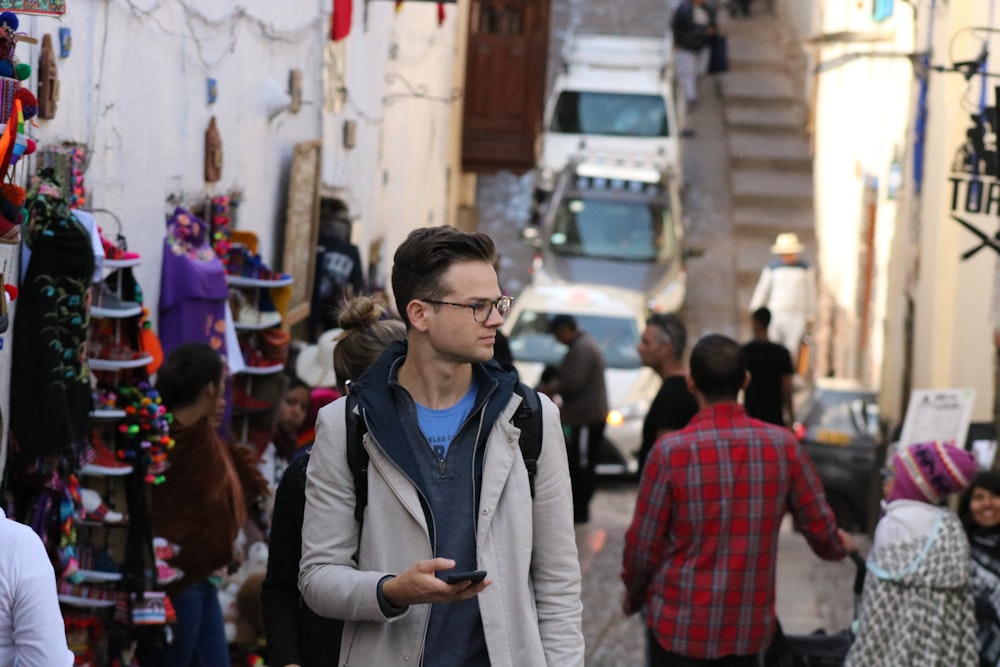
<point>50,382</point>
<point>340,23</point>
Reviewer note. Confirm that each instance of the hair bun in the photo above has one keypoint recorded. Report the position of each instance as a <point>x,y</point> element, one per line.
<point>359,312</point>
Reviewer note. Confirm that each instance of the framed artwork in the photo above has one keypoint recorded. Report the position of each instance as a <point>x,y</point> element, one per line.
<point>302,228</point>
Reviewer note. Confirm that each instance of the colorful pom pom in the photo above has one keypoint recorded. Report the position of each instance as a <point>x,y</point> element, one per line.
<point>32,147</point>
<point>13,193</point>
<point>22,71</point>
<point>29,103</point>
<point>10,20</point>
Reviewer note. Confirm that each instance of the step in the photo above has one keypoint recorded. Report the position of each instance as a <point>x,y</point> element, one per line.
<point>768,223</point>
<point>786,120</point>
<point>759,89</point>
<point>771,189</point>
<point>752,54</point>
<point>778,153</point>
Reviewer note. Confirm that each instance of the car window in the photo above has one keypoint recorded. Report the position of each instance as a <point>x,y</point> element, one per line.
<point>616,114</point>
<point>852,414</point>
<point>591,226</point>
<point>531,341</point>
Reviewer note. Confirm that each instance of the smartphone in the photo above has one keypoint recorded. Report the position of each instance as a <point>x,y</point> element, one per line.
<point>458,577</point>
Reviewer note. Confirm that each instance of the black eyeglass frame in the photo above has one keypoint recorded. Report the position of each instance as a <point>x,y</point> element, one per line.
<point>508,300</point>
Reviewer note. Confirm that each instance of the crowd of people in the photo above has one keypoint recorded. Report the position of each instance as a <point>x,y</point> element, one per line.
<point>417,525</point>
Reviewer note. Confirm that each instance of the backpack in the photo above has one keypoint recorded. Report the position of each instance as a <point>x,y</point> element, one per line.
<point>528,419</point>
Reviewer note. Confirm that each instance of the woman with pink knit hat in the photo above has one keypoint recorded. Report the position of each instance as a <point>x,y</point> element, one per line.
<point>917,607</point>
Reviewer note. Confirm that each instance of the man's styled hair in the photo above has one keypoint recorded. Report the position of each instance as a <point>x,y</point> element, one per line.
<point>718,367</point>
<point>425,256</point>
<point>670,329</point>
<point>762,316</point>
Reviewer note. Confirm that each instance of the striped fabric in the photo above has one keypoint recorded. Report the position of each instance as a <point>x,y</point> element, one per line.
<point>700,553</point>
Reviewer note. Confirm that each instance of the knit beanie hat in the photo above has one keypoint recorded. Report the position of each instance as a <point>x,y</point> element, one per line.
<point>930,471</point>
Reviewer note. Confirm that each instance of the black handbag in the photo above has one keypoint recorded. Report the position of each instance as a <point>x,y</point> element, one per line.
<point>718,59</point>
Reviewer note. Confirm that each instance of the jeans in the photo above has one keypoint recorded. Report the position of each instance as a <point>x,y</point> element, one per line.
<point>657,656</point>
<point>199,635</point>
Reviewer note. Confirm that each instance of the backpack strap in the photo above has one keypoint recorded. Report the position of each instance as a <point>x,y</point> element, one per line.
<point>357,456</point>
<point>528,419</point>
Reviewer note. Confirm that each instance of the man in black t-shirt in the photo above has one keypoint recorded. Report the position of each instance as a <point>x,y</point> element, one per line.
<point>768,397</point>
<point>662,349</point>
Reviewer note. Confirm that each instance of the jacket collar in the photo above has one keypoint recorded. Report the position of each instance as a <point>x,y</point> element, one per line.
<point>379,393</point>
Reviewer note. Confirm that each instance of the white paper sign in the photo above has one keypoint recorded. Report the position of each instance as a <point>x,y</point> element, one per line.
<point>938,414</point>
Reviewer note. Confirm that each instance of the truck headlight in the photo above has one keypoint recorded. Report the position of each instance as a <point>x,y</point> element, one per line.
<point>669,300</point>
<point>618,416</point>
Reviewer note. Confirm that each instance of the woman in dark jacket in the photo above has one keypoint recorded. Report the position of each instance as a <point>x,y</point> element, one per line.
<point>297,636</point>
<point>979,511</point>
<point>201,506</point>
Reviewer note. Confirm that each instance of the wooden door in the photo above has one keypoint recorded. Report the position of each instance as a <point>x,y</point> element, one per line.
<point>504,84</point>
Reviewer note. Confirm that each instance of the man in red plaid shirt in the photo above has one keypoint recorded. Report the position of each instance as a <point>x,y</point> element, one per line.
<point>700,553</point>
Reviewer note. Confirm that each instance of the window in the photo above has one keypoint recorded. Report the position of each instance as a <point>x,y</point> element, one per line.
<point>609,228</point>
<point>615,114</point>
<point>531,341</point>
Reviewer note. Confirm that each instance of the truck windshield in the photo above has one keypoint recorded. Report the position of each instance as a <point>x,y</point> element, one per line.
<point>614,114</point>
<point>530,340</point>
<point>631,231</point>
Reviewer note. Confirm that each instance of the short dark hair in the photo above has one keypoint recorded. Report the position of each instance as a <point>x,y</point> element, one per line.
<point>989,480</point>
<point>672,329</point>
<point>562,322</point>
<point>762,316</point>
<point>718,367</point>
<point>188,369</point>
<point>425,256</point>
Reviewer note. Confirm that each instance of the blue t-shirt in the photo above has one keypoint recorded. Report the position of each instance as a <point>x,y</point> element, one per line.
<point>440,426</point>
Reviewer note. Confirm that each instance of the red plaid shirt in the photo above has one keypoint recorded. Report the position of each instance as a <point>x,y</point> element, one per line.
<point>701,550</point>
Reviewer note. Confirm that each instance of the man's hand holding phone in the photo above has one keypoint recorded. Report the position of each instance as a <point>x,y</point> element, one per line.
<point>420,585</point>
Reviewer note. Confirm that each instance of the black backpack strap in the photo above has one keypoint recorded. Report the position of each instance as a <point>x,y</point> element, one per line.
<point>528,419</point>
<point>357,456</point>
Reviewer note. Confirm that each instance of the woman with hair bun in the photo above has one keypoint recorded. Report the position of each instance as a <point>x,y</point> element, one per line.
<point>295,634</point>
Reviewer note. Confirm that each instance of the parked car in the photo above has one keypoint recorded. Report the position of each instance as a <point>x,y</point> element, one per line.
<point>614,95</point>
<point>615,317</point>
<point>839,426</point>
<point>616,224</point>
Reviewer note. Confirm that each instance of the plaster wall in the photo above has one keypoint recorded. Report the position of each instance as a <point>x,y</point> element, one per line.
<point>133,89</point>
<point>953,334</point>
<point>399,88</point>
<point>861,114</point>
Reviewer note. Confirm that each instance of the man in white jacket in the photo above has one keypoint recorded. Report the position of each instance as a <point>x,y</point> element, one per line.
<point>448,489</point>
<point>787,287</point>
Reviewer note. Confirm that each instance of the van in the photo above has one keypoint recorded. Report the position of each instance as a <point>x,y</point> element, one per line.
<point>614,97</point>
<point>617,224</point>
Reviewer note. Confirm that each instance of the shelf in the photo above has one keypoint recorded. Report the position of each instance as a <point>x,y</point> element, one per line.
<point>263,370</point>
<point>242,281</point>
<point>78,601</point>
<point>121,263</point>
<point>264,323</point>
<point>116,314</point>
<point>92,576</point>
<point>111,413</point>
<point>119,364</point>
<point>100,471</point>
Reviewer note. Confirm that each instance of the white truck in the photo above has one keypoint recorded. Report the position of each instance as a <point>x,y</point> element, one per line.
<point>614,97</point>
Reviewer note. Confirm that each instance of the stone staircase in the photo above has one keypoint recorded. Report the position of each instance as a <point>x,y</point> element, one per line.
<point>770,162</point>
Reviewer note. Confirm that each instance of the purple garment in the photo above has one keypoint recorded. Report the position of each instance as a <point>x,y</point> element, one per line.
<point>193,289</point>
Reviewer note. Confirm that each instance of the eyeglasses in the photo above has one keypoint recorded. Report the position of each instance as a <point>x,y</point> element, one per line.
<point>886,474</point>
<point>481,309</point>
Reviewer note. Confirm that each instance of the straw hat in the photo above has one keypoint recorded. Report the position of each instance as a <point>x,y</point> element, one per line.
<point>787,244</point>
<point>314,365</point>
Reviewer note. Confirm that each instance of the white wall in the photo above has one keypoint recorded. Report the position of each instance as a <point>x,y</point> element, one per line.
<point>861,119</point>
<point>400,91</point>
<point>134,90</point>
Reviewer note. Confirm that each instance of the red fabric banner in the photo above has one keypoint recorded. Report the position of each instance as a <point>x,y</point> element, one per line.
<point>340,24</point>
